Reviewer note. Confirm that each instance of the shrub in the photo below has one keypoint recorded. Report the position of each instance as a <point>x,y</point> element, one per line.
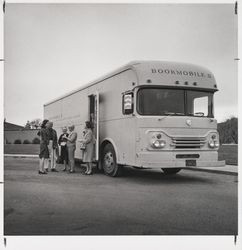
<point>36,140</point>
<point>7,141</point>
<point>26,142</point>
<point>17,141</point>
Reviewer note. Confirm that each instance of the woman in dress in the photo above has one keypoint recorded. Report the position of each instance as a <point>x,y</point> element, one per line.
<point>62,143</point>
<point>88,141</point>
<point>44,151</point>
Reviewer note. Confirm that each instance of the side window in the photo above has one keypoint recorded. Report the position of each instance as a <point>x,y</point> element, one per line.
<point>128,103</point>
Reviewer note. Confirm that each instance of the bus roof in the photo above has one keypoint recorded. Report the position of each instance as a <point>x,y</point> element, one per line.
<point>160,73</point>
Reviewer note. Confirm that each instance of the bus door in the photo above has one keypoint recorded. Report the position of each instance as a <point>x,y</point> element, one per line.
<point>94,119</point>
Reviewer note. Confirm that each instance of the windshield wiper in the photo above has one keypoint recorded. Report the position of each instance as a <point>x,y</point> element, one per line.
<point>173,113</point>
<point>200,114</point>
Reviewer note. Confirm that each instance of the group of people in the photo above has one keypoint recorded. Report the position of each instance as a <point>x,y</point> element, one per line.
<point>49,148</point>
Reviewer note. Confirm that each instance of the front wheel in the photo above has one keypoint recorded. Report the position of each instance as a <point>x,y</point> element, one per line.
<point>109,161</point>
<point>169,171</point>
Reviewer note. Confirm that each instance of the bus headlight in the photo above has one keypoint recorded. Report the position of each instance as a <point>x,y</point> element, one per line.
<point>214,140</point>
<point>213,144</point>
<point>158,144</point>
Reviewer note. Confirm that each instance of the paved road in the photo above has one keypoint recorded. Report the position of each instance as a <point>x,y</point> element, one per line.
<point>139,203</point>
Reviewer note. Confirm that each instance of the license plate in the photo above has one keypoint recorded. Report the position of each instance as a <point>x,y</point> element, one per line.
<point>191,163</point>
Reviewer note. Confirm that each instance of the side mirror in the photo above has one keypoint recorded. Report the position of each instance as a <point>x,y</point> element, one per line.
<point>128,103</point>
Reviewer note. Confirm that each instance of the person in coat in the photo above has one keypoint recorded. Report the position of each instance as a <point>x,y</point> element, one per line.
<point>53,145</point>
<point>71,147</point>
<point>44,151</point>
<point>89,141</point>
<point>62,143</point>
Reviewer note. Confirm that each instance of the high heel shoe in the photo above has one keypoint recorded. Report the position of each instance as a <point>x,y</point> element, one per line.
<point>40,172</point>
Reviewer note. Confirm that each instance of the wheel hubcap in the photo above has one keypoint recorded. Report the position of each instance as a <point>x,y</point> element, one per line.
<point>108,161</point>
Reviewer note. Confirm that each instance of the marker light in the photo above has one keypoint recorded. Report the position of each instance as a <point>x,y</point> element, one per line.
<point>158,136</point>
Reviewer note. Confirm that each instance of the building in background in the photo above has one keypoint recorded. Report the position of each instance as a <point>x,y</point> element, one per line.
<point>16,134</point>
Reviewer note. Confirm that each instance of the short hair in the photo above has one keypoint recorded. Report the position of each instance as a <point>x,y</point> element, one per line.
<point>43,125</point>
<point>71,126</point>
<point>88,124</point>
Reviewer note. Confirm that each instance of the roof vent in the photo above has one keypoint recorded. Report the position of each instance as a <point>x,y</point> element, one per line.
<point>148,81</point>
<point>195,83</point>
<point>186,83</point>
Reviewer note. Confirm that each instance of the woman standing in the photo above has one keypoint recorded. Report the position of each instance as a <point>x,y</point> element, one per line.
<point>44,151</point>
<point>71,147</point>
<point>88,142</point>
<point>62,143</point>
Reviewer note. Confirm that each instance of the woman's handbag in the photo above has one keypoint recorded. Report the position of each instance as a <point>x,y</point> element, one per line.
<point>59,160</point>
<point>83,146</point>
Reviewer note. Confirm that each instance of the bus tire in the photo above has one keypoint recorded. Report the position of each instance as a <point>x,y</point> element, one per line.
<point>170,171</point>
<point>109,161</point>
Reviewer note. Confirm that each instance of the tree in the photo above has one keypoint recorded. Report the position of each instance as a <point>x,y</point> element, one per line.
<point>228,131</point>
<point>34,124</point>
<point>27,125</point>
<point>36,141</point>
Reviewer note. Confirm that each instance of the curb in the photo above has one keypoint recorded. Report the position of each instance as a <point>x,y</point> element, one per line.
<point>213,171</point>
<point>20,156</point>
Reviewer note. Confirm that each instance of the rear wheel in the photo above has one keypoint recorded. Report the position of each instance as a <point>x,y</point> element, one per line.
<point>171,170</point>
<point>109,161</point>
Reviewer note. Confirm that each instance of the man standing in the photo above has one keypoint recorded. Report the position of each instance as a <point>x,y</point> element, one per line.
<point>52,136</point>
<point>71,147</point>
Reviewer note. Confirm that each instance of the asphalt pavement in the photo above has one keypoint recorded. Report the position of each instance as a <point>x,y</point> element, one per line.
<point>141,202</point>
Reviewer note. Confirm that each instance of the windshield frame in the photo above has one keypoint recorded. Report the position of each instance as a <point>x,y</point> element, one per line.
<point>185,89</point>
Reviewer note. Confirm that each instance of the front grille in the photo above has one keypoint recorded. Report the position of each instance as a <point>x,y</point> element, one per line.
<point>185,142</point>
<point>185,156</point>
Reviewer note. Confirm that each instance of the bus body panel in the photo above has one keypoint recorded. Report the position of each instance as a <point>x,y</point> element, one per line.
<point>113,123</point>
<point>74,109</point>
<point>168,73</point>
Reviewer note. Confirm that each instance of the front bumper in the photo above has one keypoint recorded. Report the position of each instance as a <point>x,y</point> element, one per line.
<point>169,160</point>
<point>182,164</point>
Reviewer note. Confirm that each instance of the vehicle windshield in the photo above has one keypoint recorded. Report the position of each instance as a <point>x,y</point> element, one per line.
<point>162,101</point>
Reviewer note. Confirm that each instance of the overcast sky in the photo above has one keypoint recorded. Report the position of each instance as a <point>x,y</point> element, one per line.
<point>52,49</point>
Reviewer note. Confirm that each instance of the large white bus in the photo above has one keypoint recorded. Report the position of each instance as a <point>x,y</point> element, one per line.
<point>153,114</point>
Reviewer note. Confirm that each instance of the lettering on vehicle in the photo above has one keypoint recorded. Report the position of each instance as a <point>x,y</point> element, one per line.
<point>180,72</point>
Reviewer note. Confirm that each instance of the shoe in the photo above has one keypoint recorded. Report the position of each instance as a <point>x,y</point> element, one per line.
<point>64,170</point>
<point>88,173</point>
<point>46,170</point>
<point>71,171</point>
<point>40,172</point>
<point>54,170</point>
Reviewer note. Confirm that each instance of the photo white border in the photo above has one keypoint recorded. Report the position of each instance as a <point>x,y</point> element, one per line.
<point>118,242</point>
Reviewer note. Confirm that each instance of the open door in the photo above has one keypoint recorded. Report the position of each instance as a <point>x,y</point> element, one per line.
<point>94,118</point>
